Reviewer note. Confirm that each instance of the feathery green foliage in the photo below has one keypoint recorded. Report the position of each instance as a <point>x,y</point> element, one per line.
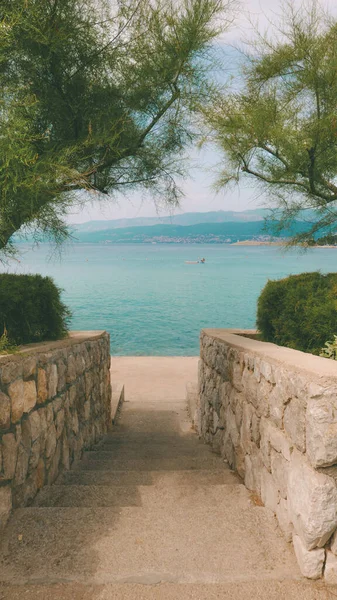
<point>31,309</point>
<point>299,311</point>
<point>97,96</point>
<point>280,130</point>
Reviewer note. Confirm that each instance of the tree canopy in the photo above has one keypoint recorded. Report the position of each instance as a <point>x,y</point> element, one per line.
<point>96,96</point>
<point>280,129</point>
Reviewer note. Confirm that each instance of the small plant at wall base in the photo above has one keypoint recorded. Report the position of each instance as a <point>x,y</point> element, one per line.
<point>31,309</point>
<point>299,311</point>
<point>330,349</point>
<point>6,347</point>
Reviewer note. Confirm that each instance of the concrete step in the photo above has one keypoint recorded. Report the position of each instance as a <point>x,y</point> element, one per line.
<point>178,542</point>
<point>91,462</point>
<point>189,496</point>
<point>147,451</point>
<point>135,478</point>
<point>238,590</point>
<point>88,496</point>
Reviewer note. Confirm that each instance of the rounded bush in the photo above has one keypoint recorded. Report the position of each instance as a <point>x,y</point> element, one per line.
<point>31,309</point>
<point>299,311</point>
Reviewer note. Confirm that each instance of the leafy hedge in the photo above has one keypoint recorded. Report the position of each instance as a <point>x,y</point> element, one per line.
<point>299,311</point>
<point>31,309</point>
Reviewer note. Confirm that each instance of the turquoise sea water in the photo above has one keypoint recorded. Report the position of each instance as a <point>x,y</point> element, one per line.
<point>151,302</point>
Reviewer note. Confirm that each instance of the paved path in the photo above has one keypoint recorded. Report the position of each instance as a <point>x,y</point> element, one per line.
<point>149,514</point>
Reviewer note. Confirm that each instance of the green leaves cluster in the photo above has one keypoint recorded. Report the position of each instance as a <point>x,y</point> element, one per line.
<point>299,311</point>
<point>330,349</point>
<point>31,310</point>
<point>96,96</point>
<point>280,130</point>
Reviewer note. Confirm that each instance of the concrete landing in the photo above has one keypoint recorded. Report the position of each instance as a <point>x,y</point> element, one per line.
<point>149,514</point>
<point>148,378</point>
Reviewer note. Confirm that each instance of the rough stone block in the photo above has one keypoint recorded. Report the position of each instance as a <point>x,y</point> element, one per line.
<point>42,386</point>
<point>9,455</point>
<point>51,441</point>
<point>52,377</point>
<point>5,411</point>
<point>246,427</point>
<point>29,396</point>
<point>16,394</point>
<point>334,543</point>
<point>269,491</point>
<point>312,502</point>
<point>330,571</point>
<point>29,367</point>
<point>277,438</point>
<point>5,505</point>
<point>267,371</point>
<point>294,422</point>
<point>282,515</point>
<point>279,469</point>
<point>276,406</point>
<point>10,371</point>
<point>311,562</point>
<point>321,432</point>
<point>253,469</point>
<point>21,466</point>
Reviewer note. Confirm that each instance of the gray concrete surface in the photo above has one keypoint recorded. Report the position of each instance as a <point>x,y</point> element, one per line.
<point>164,524</point>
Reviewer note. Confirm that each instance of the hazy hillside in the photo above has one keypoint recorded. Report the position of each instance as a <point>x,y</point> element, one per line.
<point>186,219</point>
<point>200,233</point>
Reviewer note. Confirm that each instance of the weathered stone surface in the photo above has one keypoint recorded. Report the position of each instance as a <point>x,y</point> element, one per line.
<point>269,491</point>
<point>321,432</point>
<point>5,505</point>
<point>35,424</point>
<point>29,367</point>
<point>29,396</point>
<point>312,502</point>
<point>294,422</point>
<point>282,515</point>
<point>51,441</point>
<point>42,386</point>
<point>330,570</point>
<point>5,411</point>
<point>334,543</point>
<point>9,455</point>
<point>16,394</point>
<point>10,371</point>
<point>279,469</point>
<point>253,469</point>
<point>276,406</point>
<point>21,466</point>
<point>71,369</point>
<point>310,561</point>
<point>267,371</point>
<point>52,377</point>
<point>246,427</point>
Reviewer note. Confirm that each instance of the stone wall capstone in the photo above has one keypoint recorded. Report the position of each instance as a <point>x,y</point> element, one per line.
<point>54,402</point>
<point>271,412</point>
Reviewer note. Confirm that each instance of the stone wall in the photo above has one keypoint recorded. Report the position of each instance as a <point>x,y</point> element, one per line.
<point>54,402</point>
<point>272,414</point>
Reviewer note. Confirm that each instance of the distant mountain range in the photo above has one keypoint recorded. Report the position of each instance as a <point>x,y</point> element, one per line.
<point>225,232</point>
<point>193,218</point>
<point>210,227</point>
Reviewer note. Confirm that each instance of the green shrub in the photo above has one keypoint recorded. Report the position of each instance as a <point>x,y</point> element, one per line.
<point>330,349</point>
<point>299,311</point>
<point>31,309</point>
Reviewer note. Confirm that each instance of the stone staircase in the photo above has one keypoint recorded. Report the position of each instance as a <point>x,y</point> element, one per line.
<point>149,513</point>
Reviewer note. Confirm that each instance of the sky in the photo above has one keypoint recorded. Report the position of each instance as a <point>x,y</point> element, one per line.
<point>199,194</point>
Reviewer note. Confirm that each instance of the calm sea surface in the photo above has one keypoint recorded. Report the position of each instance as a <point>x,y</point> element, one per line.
<point>151,302</point>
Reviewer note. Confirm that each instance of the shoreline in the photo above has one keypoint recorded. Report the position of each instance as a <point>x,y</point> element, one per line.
<point>283,243</point>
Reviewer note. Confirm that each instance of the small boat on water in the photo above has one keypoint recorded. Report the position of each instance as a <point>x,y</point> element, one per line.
<point>195,262</point>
